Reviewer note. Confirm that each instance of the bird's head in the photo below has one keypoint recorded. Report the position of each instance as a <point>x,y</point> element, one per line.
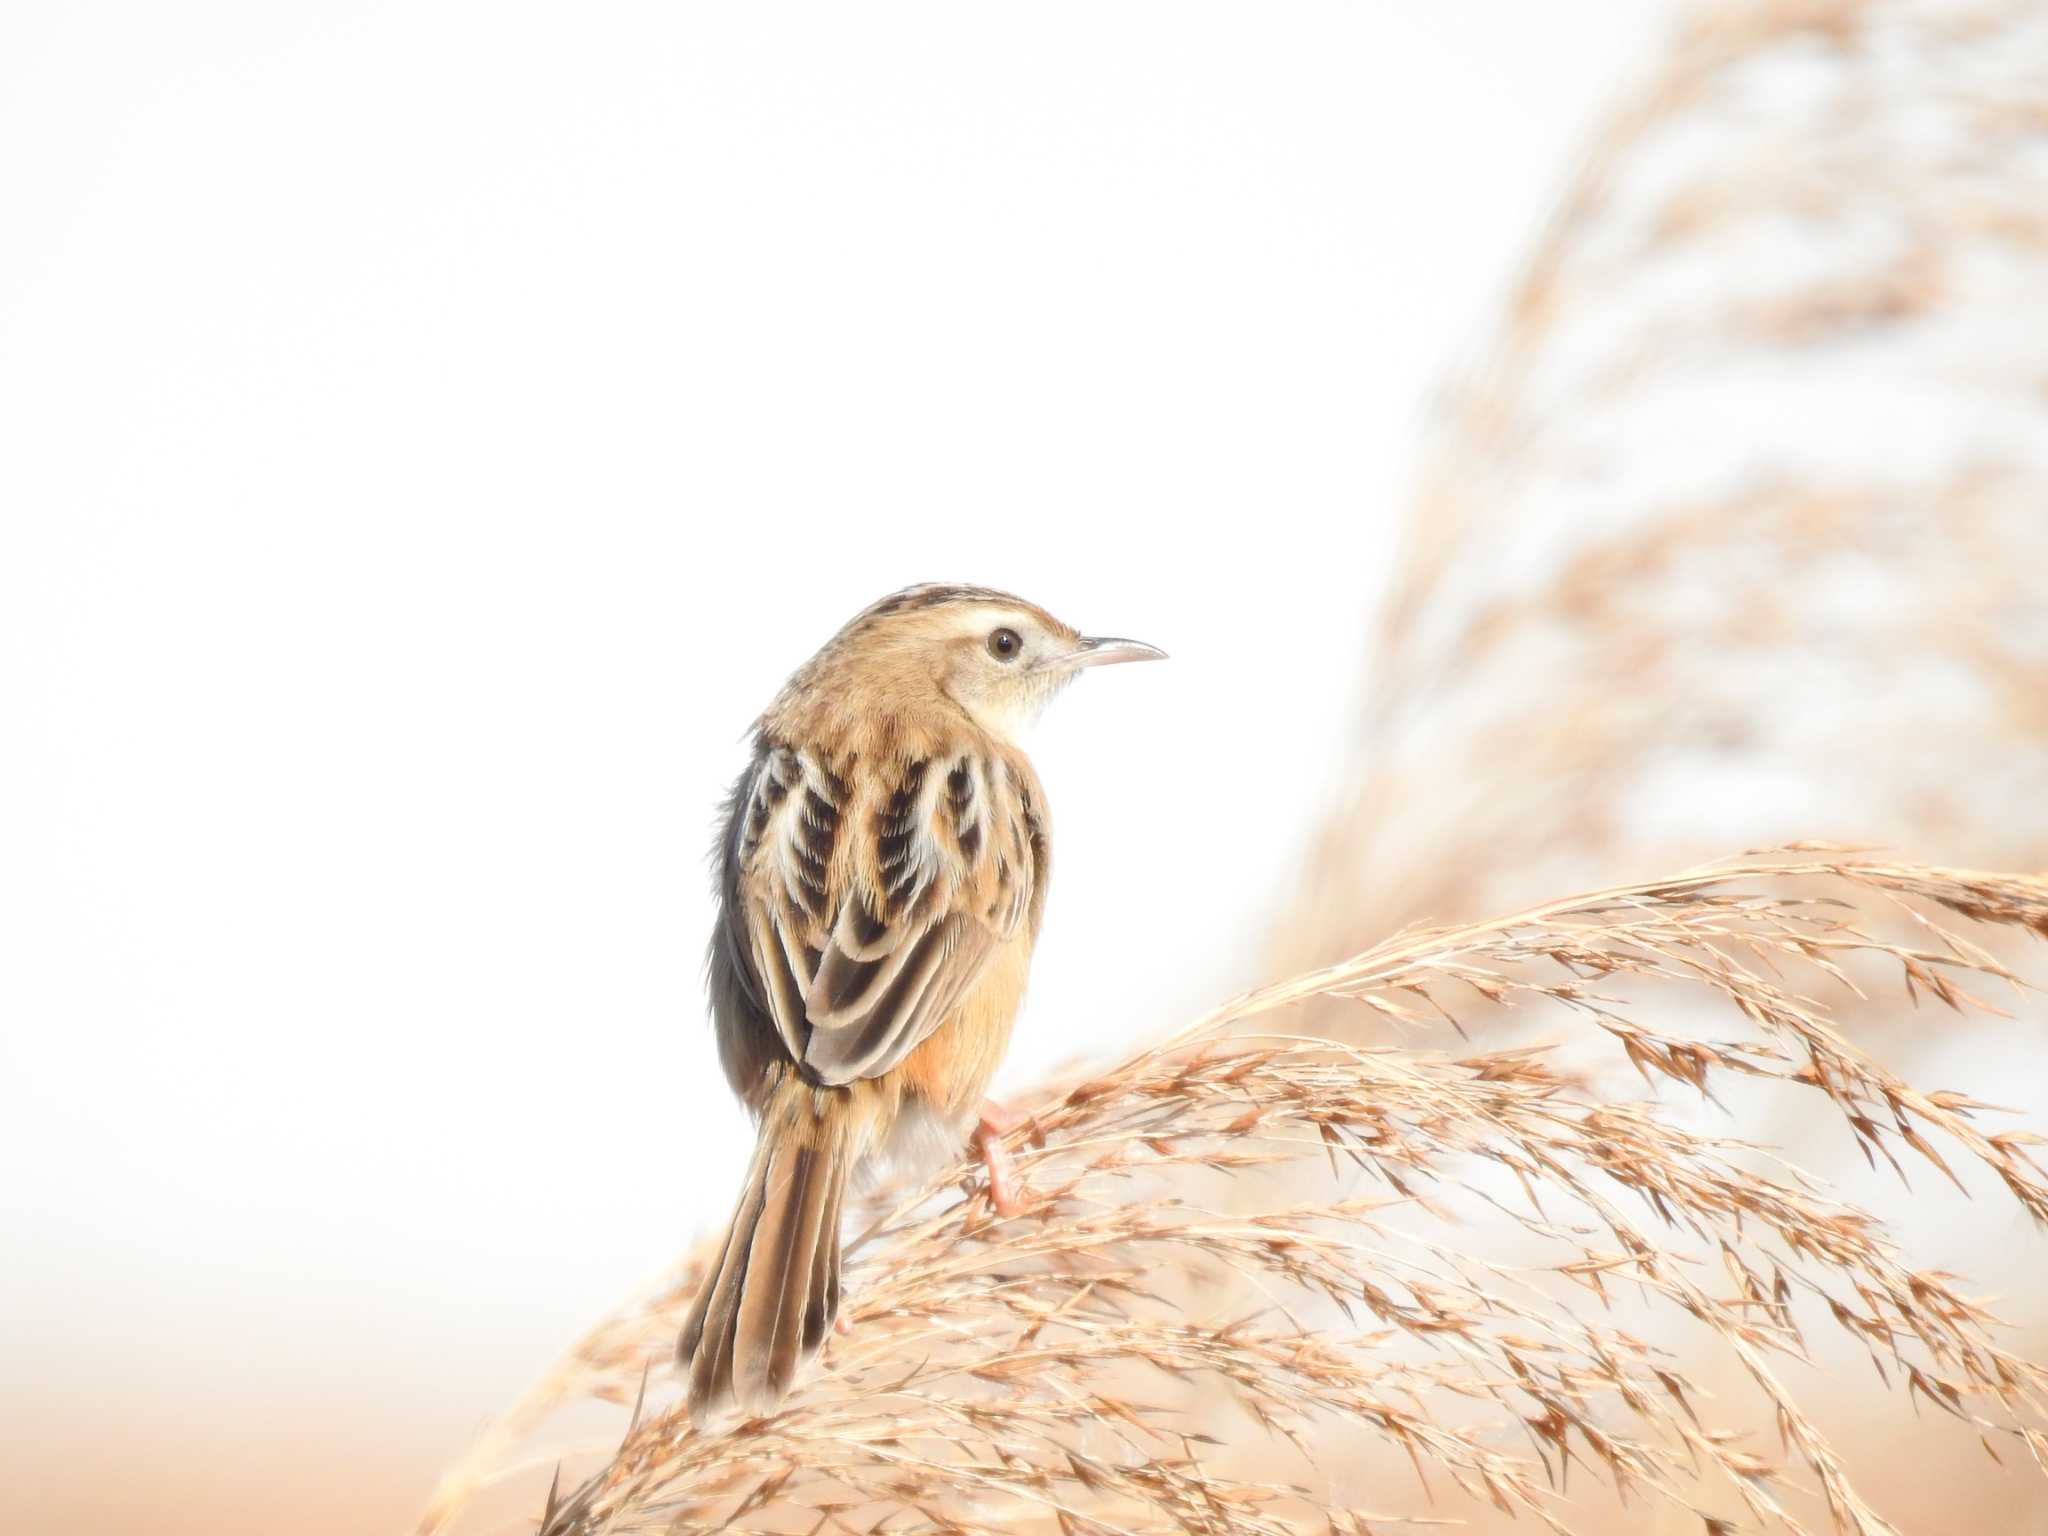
<point>997,657</point>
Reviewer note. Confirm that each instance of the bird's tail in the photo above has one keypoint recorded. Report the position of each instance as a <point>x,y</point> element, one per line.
<point>773,1294</point>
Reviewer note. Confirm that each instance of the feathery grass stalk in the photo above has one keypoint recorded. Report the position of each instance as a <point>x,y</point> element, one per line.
<point>1251,1257</point>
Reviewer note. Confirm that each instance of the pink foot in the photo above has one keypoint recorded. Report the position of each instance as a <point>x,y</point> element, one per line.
<point>1005,1193</point>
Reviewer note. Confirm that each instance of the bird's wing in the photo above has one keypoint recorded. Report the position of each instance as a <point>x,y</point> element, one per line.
<point>869,912</point>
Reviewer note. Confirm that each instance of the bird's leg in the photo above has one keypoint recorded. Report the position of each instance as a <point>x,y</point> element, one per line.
<point>1000,1120</point>
<point>995,1123</point>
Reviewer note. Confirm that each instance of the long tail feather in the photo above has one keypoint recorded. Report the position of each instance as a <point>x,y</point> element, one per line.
<point>773,1295</point>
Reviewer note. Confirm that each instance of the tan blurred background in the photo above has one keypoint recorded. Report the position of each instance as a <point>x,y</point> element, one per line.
<point>1737,535</point>
<point>353,1020</point>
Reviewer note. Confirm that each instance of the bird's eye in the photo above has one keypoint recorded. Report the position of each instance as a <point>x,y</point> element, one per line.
<point>1004,644</point>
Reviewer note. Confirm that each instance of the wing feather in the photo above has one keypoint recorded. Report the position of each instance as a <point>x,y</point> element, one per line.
<point>874,902</point>
<point>945,960</point>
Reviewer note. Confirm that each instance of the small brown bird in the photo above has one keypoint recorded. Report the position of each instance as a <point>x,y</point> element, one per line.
<point>882,867</point>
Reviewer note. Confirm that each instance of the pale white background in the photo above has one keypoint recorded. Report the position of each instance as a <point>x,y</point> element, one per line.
<point>429,432</point>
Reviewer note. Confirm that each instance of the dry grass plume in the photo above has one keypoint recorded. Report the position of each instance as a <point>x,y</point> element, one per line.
<point>1257,1260</point>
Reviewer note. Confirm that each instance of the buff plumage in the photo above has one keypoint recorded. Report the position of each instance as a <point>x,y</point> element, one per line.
<point>883,863</point>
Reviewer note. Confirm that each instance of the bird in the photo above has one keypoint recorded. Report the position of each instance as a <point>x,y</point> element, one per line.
<point>880,870</point>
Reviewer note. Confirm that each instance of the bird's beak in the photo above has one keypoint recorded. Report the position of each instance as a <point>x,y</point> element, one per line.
<point>1107,651</point>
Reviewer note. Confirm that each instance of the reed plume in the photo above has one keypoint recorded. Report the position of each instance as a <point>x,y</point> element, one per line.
<point>1256,1261</point>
